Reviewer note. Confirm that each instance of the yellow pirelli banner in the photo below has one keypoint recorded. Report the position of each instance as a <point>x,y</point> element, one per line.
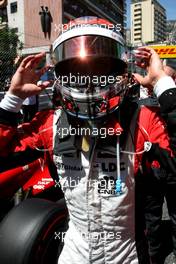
<point>165,52</point>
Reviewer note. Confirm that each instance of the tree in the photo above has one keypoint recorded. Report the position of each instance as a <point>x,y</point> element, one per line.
<point>9,46</point>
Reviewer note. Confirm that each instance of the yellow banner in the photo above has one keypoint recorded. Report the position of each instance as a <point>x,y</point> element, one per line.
<point>165,51</point>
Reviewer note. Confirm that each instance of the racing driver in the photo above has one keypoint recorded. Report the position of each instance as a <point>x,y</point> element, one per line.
<point>98,140</point>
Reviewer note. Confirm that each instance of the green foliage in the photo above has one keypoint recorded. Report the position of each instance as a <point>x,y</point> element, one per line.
<point>9,46</point>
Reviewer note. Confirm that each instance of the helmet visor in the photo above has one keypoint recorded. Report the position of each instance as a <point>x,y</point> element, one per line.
<point>89,55</point>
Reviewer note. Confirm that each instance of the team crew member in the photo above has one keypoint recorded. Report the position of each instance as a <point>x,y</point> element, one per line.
<point>156,187</point>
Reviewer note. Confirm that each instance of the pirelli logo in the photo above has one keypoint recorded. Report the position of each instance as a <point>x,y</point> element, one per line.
<point>165,51</point>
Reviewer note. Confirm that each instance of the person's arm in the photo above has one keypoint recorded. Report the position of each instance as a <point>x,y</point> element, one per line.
<point>164,88</point>
<point>162,85</point>
<point>156,79</point>
<point>15,139</point>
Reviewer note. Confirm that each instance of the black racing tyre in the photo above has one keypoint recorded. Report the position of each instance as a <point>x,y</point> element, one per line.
<point>31,232</point>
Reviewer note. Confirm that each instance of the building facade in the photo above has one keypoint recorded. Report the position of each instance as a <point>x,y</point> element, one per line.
<point>148,22</point>
<point>128,36</point>
<point>26,17</point>
<point>15,13</point>
<point>171,31</point>
<point>113,10</point>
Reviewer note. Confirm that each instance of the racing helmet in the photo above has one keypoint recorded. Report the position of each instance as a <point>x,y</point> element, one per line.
<point>89,58</point>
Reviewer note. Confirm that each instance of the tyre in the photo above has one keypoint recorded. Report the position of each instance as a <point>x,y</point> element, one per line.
<point>31,232</point>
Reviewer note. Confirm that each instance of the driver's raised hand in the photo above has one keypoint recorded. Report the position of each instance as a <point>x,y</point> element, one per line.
<point>24,82</point>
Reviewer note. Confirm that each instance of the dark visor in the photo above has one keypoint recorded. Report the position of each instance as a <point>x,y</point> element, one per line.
<point>89,55</point>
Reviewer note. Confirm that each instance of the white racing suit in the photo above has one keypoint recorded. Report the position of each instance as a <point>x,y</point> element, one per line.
<point>102,224</point>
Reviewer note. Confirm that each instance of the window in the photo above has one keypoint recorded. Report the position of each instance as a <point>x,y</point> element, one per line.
<point>15,30</point>
<point>137,34</point>
<point>137,25</point>
<point>137,19</point>
<point>137,5</point>
<point>137,10</point>
<point>13,7</point>
<point>137,39</point>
